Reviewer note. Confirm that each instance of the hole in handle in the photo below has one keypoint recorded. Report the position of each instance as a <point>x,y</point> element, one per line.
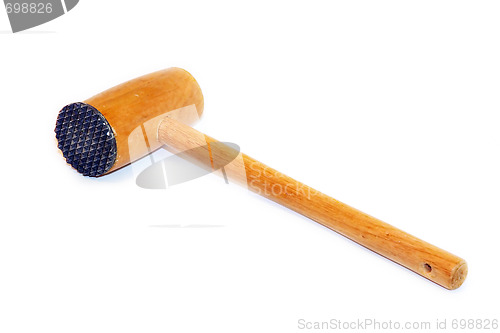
<point>427,268</point>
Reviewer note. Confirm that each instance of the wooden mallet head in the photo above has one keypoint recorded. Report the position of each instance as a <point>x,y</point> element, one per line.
<point>98,136</point>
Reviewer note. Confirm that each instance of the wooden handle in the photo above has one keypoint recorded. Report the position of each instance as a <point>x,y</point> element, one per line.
<point>421,257</point>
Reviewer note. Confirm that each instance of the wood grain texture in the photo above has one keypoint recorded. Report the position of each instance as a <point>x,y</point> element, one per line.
<point>144,101</point>
<point>411,252</point>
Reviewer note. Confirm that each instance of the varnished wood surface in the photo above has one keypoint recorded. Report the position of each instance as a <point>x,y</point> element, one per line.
<point>411,252</point>
<point>136,107</point>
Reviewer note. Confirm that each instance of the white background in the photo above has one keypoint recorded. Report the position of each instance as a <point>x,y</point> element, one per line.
<point>389,106</point>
